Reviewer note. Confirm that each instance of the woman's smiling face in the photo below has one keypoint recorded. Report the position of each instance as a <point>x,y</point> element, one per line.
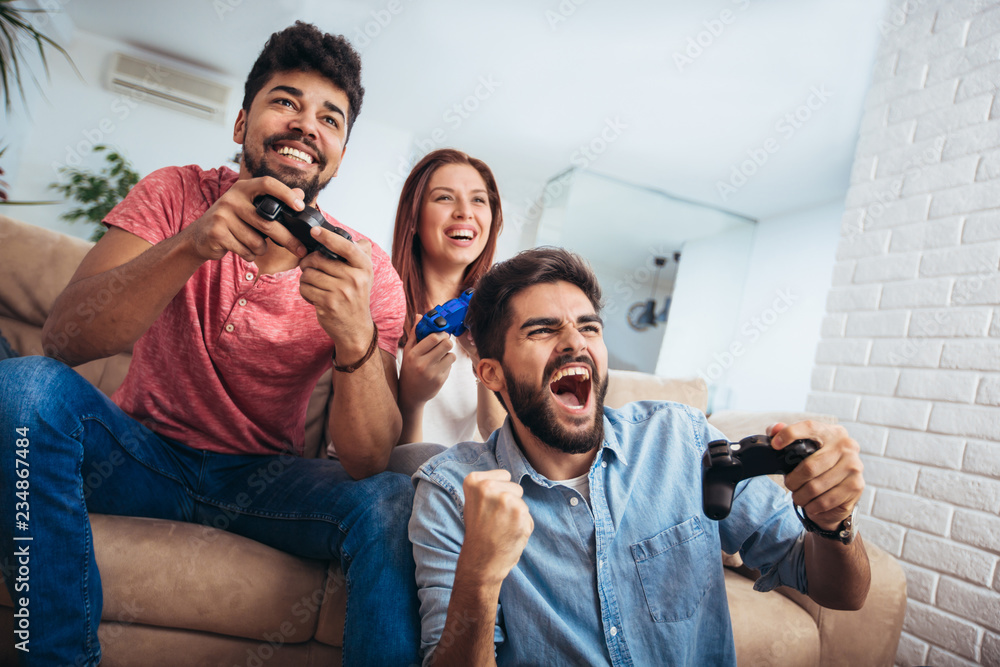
<point>455,216</point>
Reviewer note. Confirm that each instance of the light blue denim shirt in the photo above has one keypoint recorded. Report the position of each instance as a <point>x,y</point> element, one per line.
<point>634,577</point>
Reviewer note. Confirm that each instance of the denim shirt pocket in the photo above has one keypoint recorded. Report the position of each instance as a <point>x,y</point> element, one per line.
<point>671,567</point>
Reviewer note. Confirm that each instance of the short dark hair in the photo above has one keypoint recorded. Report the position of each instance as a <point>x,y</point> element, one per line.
<point>303,47</point>
<point>490,315</point>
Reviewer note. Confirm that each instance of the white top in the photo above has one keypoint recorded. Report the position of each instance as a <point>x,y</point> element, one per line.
<point>450,417</point>
<point>579,484</point>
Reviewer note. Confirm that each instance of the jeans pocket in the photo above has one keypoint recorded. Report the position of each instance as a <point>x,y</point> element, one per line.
<point>672,570</point>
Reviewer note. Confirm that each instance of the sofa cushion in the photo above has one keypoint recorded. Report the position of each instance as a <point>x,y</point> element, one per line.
<point>236,587</point>
<point>769,629</point>
<point>37,265</point>
<point>628,386</point>
<point>136,645</point>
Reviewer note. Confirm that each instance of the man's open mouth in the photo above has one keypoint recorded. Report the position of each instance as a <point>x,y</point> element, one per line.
<point>571,386</point>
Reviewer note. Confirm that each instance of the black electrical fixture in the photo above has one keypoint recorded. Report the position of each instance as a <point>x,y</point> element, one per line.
<point>642,315</point>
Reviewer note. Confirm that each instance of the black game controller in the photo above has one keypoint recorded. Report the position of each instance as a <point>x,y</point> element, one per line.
<point>448,317</point>
<point>299,223</point>
<point>725,464</point>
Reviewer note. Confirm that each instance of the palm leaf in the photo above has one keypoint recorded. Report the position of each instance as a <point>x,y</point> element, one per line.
<point>14,31</point>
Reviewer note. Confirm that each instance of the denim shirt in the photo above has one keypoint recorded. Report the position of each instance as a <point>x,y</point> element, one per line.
<point>632,577</point>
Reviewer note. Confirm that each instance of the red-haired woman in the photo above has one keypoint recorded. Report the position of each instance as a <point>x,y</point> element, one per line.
<point>446,232</point>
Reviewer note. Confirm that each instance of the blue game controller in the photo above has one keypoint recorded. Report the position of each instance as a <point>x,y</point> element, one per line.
<point>448,317</point>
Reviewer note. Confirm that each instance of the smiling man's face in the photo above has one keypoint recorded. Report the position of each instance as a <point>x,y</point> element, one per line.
<point>295,131</point>
<point>555,367</point>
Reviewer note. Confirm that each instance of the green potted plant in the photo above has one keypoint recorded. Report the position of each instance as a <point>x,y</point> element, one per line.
<point>15,32</point>
<point>97,192</point>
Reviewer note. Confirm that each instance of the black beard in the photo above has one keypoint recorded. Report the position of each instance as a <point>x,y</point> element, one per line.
<point>257,166</point>
<point>532,408</point>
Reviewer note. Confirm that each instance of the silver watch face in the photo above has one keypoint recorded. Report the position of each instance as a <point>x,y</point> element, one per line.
<point>847,531</point>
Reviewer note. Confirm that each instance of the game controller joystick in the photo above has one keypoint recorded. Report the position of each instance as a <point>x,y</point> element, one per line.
<point>725,464</point>
<point>448,317</point>
<point>299,223</point>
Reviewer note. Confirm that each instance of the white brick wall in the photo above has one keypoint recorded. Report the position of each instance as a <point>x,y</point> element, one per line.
<point>910,353</point>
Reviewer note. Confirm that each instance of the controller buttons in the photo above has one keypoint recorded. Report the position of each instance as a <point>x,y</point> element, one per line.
<point>440,321</point>
<point>735,446</point>
<point>268,207</point>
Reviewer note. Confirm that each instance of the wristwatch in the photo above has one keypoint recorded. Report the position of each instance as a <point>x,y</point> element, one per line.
<point>844,533</point>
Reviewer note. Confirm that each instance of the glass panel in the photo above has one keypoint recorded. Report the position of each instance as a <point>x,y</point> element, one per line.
<point>624,230</point>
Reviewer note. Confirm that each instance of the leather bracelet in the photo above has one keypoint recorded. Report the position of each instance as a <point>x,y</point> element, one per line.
<point>368,355</point>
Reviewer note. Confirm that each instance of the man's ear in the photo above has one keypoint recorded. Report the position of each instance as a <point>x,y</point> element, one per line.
<point>491,374</point>
<point>240,128</point>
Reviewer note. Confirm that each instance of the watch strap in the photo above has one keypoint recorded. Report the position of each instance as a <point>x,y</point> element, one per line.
<point>844,533</point>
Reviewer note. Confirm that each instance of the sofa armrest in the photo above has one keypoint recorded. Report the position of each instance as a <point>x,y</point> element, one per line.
<point>737,424</point>
<point>870,635</point>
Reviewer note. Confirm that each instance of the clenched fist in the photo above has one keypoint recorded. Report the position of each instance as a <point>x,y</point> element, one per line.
<point>497,524</point>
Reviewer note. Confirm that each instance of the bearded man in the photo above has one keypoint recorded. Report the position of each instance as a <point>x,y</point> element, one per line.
<point>231,324</point>
<point>575,535</point>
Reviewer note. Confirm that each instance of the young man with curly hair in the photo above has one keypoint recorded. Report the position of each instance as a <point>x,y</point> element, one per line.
<point>231,325</point>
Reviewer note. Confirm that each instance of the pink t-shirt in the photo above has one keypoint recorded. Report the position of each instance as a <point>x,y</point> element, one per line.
<point>231,362</point>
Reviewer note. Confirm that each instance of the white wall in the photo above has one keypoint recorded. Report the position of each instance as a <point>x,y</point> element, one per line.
<point>783,307</point>
<point>703,315</point>
<point>910,354</point>
<point>77,112</point>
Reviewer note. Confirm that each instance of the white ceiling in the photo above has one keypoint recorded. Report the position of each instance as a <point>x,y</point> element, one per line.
<point>563,69</point>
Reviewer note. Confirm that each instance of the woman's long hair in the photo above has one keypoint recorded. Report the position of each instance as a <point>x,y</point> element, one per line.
<point>407,251</point>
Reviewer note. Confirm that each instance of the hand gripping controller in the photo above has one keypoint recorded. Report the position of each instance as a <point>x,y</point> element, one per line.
<point>725,464</point>
<point>299,223</point>
<point>448,317</point>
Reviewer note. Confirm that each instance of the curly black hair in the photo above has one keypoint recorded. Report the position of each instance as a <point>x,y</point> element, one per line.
<point>303,47</point>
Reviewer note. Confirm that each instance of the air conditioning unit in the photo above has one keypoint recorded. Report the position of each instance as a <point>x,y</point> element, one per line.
<point>147,81</point>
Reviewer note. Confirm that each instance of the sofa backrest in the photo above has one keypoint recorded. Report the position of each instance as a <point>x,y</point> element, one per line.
<point>628,386</point>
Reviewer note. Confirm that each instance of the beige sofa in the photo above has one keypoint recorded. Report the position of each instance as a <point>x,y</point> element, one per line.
<point>189,595</point>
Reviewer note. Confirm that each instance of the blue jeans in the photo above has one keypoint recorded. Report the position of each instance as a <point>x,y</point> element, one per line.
<point>84,454</point>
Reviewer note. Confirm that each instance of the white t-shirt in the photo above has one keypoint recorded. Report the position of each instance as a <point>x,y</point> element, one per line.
<point>450,417</point>
<point>580,484</point>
